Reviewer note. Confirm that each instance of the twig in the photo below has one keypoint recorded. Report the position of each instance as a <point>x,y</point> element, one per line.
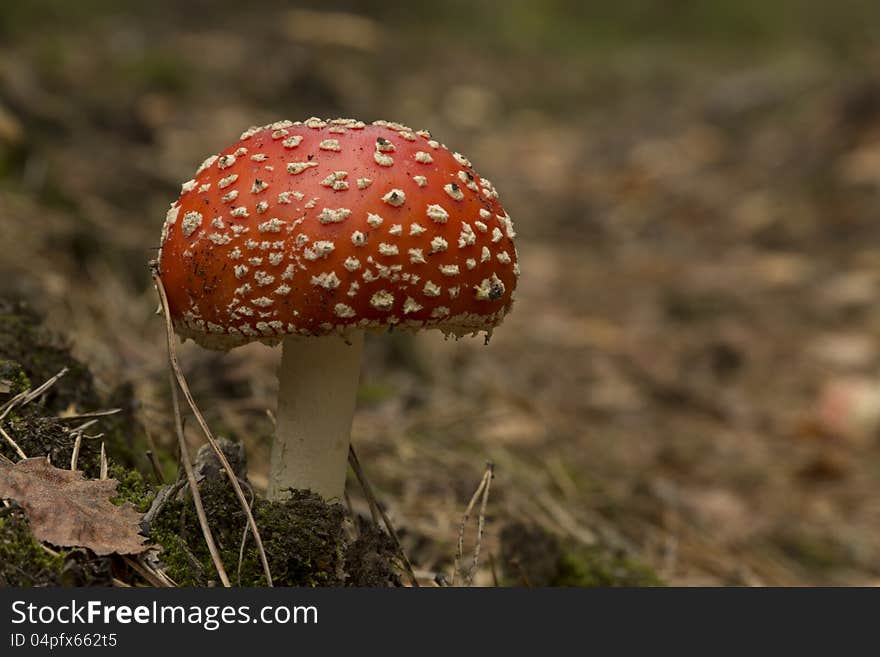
<point>147,560</point>
<point>481,522</point>
<point>27,396</point>
<point>459,553</point>
<point>156,572</point>
<point>233,479</point>
<point>482,490</point>
<point>14,444</point>
<point>162,496</point>
<point>49,550</point>
<point>194,487</point>
<point>86,416</point>
<point>371,500</point>
<point>152,576</point>
<point>48,383</point>
<point>12,403</point>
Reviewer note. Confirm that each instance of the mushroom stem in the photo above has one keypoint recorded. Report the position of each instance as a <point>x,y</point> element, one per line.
<point>316,398</point>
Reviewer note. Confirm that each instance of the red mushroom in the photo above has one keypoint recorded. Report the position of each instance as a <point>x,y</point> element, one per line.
<point>309,233</point>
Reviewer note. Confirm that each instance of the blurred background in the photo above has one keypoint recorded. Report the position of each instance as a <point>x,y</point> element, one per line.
<point>689,379</point>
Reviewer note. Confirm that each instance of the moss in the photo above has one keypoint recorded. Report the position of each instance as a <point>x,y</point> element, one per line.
<point>594,567</point>
<point>814,551</point>
<point>308,542</point>
<point>305,539</point>
<point>42,354</point>
<point>373,393</point>
<point>13,378</point>
<point>132,487</point>
<point>46,436</point>
<point>367,559</point>
<point>23,562</point>
<point>532,556</point>
<point>302,537</point>
<point>29,355</point>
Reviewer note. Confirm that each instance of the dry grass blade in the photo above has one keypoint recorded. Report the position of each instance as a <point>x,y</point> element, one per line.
<point>154,460</point>
<point>194,487</point>
<point>181,380</point>
<point>22,398</point>
<point>104,464</point>
<point>481,523</point>
<point>372,504</point>
<point>244,536</point>
<point>87,416</point>
<point>153,577</point>
<point>12,403</point>
<point>39,390</point>
<point>49,551</point>
<point>12,443</point>
<point>82,427</point>
<point>77,443</point>
<point>27,396</point>
<point>482,490</point>
<point>355,464</point>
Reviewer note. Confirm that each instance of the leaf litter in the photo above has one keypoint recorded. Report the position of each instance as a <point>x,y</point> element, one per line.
<point>68,510</point>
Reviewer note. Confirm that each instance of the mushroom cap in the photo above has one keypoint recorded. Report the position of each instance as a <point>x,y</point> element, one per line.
<point>318,227</point>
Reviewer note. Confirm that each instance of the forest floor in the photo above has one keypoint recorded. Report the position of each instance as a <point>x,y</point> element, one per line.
<point>690,373</point>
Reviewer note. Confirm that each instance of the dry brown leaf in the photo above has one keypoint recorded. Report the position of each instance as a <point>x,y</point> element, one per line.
<point>68,510</point>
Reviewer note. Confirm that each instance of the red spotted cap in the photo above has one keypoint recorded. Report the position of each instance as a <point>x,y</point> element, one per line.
<point>317,227</point>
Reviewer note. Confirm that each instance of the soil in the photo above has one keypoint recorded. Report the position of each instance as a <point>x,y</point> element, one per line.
<point>686,389</point>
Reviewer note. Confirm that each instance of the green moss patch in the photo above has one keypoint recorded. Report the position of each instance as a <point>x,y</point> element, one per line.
<point>23,562</point>
<point>533,557</point>
<point>306,540</point>
<point>30,355</point>
<point>41,354</point>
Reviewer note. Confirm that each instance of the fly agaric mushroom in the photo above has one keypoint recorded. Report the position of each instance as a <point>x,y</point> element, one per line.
<point>310,233</point>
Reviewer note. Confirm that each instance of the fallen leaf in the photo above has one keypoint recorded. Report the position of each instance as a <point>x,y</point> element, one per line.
<point>68,510</point>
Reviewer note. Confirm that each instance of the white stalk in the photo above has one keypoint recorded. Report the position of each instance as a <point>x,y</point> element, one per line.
<point>316,398</point>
